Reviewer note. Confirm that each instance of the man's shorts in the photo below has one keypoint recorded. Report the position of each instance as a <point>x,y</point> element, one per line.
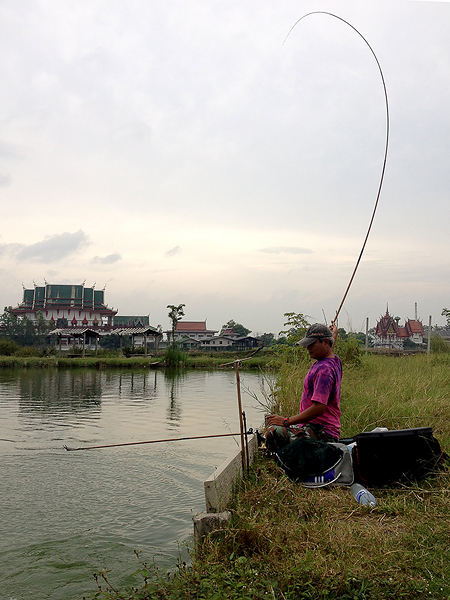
<point>277,436</point>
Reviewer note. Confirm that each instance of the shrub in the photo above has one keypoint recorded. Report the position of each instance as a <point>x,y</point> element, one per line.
<point>174,356</point>
<point>349,351</point>
<point>438,344</point>
<point>27,351</point>
<point>8,347</point>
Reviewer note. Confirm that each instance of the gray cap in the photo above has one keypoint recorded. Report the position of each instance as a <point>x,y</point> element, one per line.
<point>314,333</point>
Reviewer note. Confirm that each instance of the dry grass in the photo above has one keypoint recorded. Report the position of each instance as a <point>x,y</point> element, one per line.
<point>295,536</point>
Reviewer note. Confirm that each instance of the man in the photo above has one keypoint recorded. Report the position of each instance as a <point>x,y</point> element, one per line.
<point>319,413</point>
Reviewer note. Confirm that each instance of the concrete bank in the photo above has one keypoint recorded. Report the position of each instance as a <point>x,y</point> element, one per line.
<point>219,490</point>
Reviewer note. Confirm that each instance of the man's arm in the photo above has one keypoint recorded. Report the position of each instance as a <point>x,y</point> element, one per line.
<point>316,410</point>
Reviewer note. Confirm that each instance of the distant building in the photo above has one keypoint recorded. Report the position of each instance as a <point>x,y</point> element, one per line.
<point>223,342</point>
<point>193,330</point>
<point>66,305</point>
<point>389,333</point>
<point>131,321</point>
<point>230,333</point>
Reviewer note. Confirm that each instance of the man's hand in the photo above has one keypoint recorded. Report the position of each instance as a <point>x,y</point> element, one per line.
<point>275,420</point>
<point>334,331</point>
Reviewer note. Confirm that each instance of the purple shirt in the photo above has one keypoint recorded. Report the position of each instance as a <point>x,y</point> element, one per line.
<point>323,384</point>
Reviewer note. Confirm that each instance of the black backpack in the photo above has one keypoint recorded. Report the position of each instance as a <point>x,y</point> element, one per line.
<point>402,456</point>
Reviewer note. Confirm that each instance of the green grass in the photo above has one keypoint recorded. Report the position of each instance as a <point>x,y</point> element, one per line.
<point>289,542</point>
<point>200,360</point>
<point>64,363</point>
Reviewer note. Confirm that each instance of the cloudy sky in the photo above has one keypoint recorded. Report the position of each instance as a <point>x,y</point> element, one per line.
<point>179,152</point>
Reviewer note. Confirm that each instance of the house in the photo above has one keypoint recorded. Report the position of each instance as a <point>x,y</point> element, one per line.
<point>195,335</point>
<point>66,305</point>
<point>389,333</point>
<point>194,330</point>
<point>222,342</point>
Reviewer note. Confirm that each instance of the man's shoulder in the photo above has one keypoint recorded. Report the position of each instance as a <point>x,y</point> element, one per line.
<point>330,363</point>
<point>329,359</point>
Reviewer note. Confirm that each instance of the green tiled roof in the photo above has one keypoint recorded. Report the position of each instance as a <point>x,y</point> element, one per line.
<point>62,295</point>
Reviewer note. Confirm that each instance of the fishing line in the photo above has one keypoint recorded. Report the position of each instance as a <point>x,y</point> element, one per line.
<point>320,12</point>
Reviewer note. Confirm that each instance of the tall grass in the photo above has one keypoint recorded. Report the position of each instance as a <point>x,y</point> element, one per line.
<point>394,392</point>
<point>305,543</point>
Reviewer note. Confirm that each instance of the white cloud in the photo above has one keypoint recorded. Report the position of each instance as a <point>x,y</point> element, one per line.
<point>52,249</point>
<point>107,260</point>
<point>173,252</point>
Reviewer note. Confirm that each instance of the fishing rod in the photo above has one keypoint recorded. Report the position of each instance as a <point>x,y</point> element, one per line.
<point>318,12</point>
<point>197,437</point>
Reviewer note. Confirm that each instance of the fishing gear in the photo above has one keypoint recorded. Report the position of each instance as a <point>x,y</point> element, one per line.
<point>318,12</point>
<point>197,437</point>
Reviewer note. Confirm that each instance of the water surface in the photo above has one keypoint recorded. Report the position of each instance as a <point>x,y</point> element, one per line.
<point>65,514</point>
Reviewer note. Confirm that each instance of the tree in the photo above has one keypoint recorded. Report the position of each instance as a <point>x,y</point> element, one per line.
<point>9,326</point>
<point>176,313</point>
<point>297,324</point>
<point>446,313</point>
<point>22,330</point>
<point>268,339</point>
<point>42,328</point>
<point>236,327</point>
<point>342,334</point>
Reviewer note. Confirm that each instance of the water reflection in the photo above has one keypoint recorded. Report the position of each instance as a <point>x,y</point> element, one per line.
<point>84,511</point>
<point>144,383</point>
<point>69,391</point>
<point>174,379</point>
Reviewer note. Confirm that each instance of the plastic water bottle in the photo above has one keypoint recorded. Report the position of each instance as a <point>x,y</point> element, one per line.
<point>362,496</point>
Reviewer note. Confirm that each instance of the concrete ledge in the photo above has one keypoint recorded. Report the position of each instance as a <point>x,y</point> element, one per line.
<point>206,523</point>
<point>219,485</point>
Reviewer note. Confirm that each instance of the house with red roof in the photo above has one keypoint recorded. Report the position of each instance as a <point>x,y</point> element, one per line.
<point>196,335</point>
<point>196,331</point>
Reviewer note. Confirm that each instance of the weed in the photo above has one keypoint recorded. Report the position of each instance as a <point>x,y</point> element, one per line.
<point>174,356</point>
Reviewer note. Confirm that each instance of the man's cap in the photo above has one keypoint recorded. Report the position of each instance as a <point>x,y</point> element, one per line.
<point>314,333</point>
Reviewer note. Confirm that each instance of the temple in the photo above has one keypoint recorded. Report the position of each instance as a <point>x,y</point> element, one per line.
<point>66,305</point>
<point>389,333</point>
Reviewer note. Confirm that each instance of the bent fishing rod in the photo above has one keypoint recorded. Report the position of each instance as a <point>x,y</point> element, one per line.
<point>318,12</point>
<point>197,437</point>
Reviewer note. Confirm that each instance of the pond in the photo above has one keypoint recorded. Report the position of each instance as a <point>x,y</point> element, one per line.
<point>66,515</point>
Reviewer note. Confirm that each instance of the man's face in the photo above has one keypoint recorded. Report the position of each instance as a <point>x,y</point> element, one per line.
<point>319,349</point>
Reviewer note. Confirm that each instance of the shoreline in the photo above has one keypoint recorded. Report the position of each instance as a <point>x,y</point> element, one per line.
<point>264,360</point>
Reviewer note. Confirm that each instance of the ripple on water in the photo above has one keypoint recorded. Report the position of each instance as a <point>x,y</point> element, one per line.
<point>68,514</point>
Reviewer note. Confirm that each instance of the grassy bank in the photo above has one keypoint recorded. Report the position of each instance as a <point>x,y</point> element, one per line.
<point>289,542</point>
<point>192,361</point>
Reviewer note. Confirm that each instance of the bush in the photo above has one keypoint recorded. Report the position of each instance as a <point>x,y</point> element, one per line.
<point>438,344</point>
<point>28,351</point>
<point>349,351</point>
<point>108,353</point>
<point>8,347</point>
<point>174,356</point>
